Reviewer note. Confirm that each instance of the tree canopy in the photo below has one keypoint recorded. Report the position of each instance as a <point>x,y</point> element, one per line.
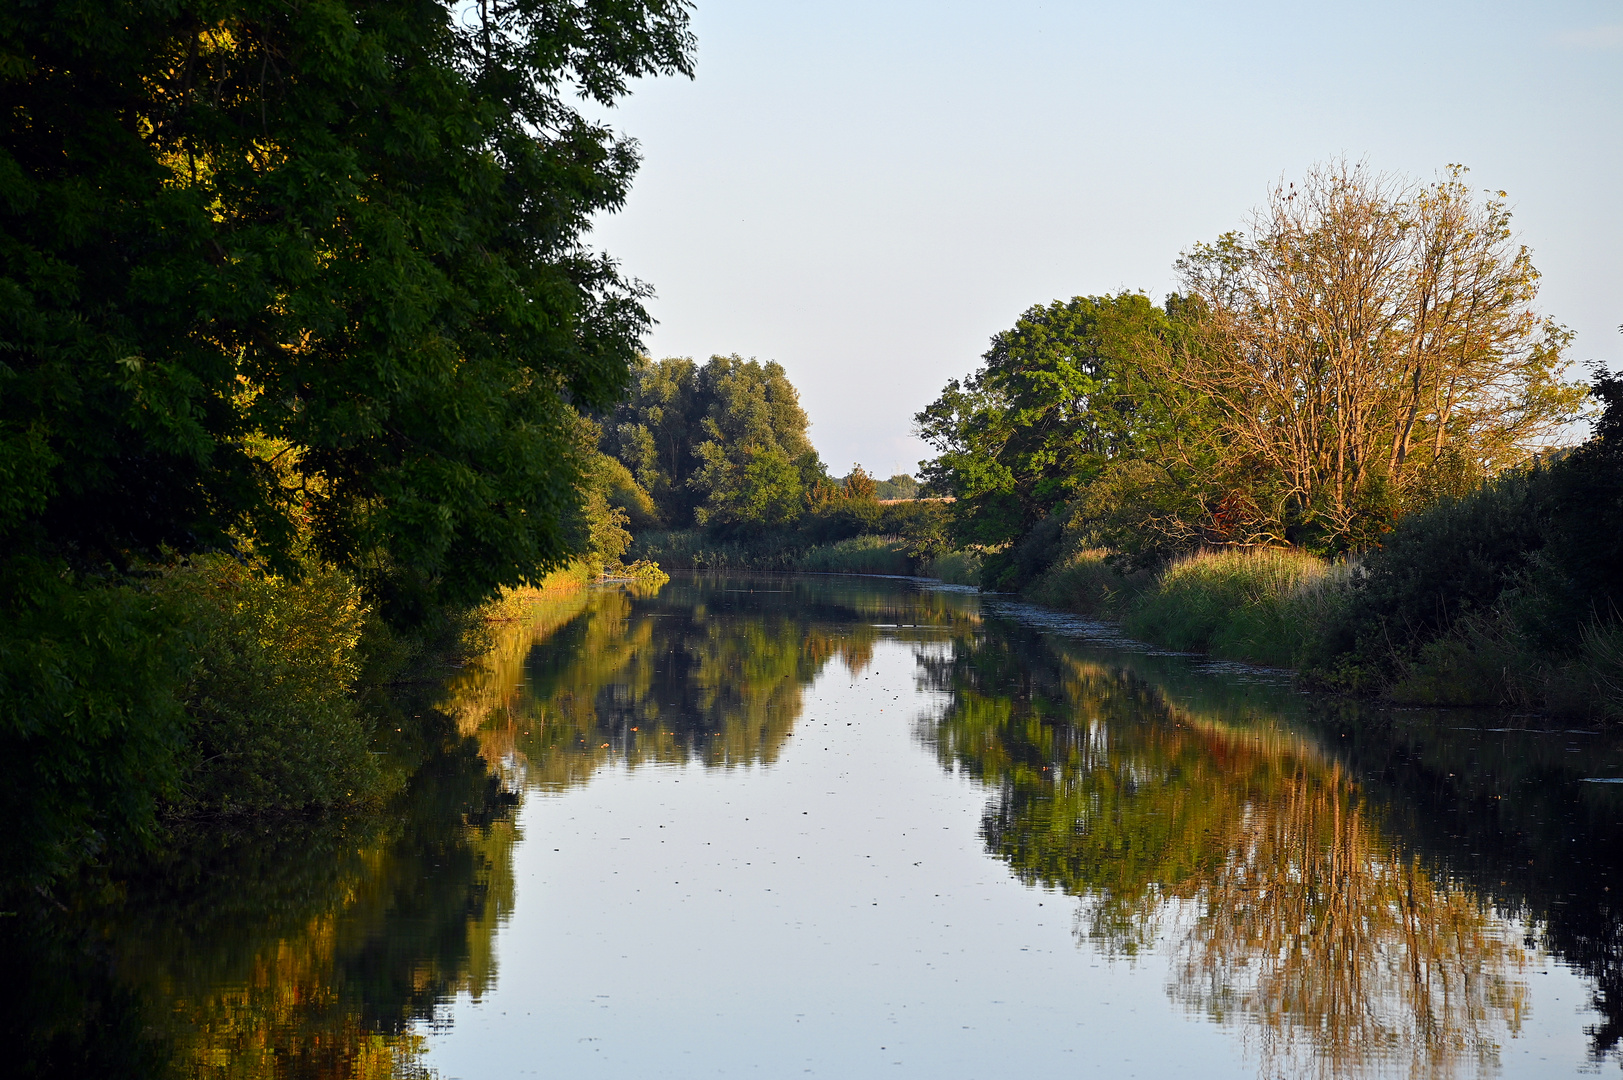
<point>1059,399</point>
<point>343,235</point>
<point>1370,345</point>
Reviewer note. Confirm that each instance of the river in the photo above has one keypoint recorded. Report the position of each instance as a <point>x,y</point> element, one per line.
<point>856,827</point>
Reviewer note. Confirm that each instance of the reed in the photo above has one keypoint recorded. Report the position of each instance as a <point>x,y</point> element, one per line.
<point>858,555</point>
<point>962,567</point>
<point>1264,605</point>
<point>1086,583</point>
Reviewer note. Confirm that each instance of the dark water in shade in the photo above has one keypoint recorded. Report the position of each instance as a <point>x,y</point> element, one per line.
<point>863,827</point>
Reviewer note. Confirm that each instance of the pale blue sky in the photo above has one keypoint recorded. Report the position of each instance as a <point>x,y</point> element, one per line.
<point>866,192</point>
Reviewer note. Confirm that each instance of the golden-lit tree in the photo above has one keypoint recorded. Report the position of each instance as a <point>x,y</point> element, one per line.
<point>1366,337</point>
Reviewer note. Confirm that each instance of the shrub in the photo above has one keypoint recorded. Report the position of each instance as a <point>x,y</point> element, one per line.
<point>273,724</point>
<point>89,724</point>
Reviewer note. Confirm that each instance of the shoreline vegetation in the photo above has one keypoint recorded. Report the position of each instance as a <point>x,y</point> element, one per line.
<point>1338,449</point>
<point>1343,446</point>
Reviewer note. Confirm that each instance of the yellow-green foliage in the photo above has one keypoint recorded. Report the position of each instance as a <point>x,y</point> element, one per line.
<point>268,689</point>
<point>645,574</point>
<point>962,567</point>
<point>858,555</point>
<point>1266,605</point>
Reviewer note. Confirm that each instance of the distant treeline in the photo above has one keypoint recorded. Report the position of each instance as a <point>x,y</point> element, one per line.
<point>1335,447</point>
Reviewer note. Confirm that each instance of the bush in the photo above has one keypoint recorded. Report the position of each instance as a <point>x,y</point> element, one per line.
<point>859,555</point>
<point>89,722</point>
<point>273,724</point>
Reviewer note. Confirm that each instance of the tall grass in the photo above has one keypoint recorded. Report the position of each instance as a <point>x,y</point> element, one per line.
<point>858,555</point>
<point>1086,583</point>
<point>961,567</point>
<point>1265,605</point>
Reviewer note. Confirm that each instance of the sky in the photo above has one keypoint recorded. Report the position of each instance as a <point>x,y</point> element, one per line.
<point>867,192</point>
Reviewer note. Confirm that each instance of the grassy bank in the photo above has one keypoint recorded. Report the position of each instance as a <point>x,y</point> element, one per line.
<point>1345,626</point>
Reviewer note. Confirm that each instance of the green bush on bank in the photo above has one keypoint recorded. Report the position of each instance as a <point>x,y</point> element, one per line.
<point>268,688</point>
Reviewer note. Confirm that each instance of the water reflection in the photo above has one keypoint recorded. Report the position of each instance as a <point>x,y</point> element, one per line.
<point>707,670</point>
<point>296,950</point>
<point>1253,855</point>
<point>1356,891</point>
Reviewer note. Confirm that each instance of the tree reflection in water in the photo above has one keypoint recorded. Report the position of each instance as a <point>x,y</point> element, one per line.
<point>709,671</point>
<point>1353,898</point>
<point>1251,855</point>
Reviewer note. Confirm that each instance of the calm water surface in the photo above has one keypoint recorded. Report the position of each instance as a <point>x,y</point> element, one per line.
<point>853,827</point>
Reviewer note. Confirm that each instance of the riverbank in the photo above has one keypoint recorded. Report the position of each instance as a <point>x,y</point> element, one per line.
<point>904,552</point>
<point>1351,625</point>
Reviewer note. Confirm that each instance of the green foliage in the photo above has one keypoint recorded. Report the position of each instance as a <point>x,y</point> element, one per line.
<point>918,529</point>
<point>1059,398</point>
<point>900,486</point>
<point>962,567</point>
<point>1371,349</point>
<point>696,549</point>
<point>1240,604</point>
<point>859,555</point>
<point>755,462</point>
<point>654,430</point>
<point>1508,595</point>
<point>723,445</point>
<point>622,492</point>
<point>1088,582</point>
<point>282,277</point>
<point>272,663</point>
<point>90,727</point>
<point>352,226</point>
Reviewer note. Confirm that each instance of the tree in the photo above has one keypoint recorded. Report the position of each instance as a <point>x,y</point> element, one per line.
<point>859,485</point>
<point>654,429</point>
<point>755,461</point>
<point>723,444</point>
<point>899,486</point>
<point>270,270</point>
<point>350,226</point>
<point>1059,398</point>
<point>1368,336</point>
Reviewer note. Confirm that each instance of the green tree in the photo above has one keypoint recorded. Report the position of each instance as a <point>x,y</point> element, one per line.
<point>1060,400</point>
<point>723,444</point>
<point>755,461</point>
<point>653,432</point>
<point>349,229</point>
<point>900,486</point>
